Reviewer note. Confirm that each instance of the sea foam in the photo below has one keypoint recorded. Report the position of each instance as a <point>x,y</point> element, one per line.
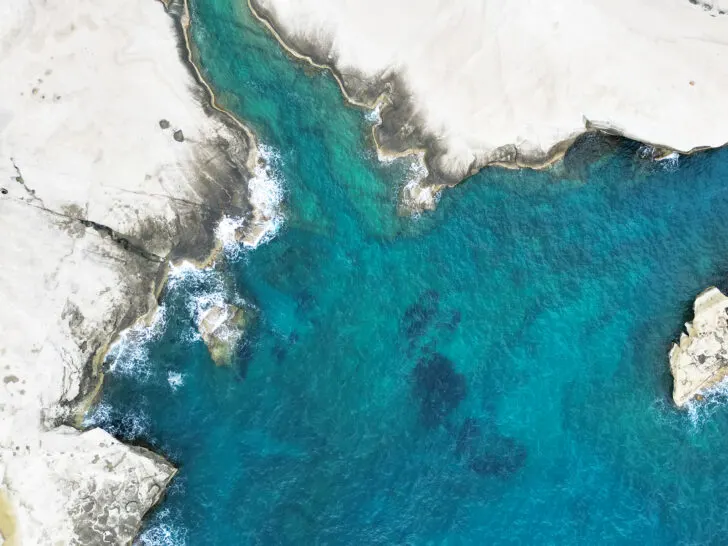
<point>266,194</point>
<point>714,399</point>
<point>175,380</point>
<point>129,355</point>
<point>163,533</point>
<point>201,289</point>
<point>417,197</point>
<point>130,425</point>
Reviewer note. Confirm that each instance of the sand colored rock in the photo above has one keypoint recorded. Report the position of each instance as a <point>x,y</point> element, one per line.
<point>96,197</point>
<point>87,485</point>
<point>700,360</point>
<point>477,83</point>
<point>221,327</point>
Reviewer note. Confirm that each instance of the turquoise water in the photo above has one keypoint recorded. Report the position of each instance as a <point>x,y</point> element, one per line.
<point>492,372</point>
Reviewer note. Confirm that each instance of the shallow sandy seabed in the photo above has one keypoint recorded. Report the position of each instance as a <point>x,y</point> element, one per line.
<point>515,83</point>
<point>111,165</point>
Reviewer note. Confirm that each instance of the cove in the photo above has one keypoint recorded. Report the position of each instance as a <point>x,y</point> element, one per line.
<point>492,372</point>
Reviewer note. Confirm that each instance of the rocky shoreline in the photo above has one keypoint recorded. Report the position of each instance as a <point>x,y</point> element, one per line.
<point>112,165</point>
<point>399,74</point>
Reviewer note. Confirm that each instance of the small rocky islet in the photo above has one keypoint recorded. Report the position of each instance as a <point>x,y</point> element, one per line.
<point>222,327</point>
<point>699,361</point>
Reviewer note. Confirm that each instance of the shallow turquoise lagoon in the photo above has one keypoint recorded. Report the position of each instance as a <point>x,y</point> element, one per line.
<point>492,372</point>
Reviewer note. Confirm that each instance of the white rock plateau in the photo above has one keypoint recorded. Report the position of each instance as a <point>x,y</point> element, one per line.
<point>112,163</point>
<point>700,360</point>
<point>477,82</point>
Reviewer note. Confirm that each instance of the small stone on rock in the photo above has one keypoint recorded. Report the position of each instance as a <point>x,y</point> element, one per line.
<point>164,124</point>
<point>179,135</point>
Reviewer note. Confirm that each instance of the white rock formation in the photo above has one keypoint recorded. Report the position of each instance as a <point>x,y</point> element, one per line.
<point>111,164</point>
<point>87,486</point>
<point>700,360</point>
<point>497,81</point>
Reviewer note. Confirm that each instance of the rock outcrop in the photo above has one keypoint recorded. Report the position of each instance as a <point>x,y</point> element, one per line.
<point>700,360</point>
<point>221,327</point>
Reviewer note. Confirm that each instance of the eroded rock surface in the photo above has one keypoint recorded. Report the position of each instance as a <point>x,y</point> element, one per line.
<point>222,327</point>
<point>90,487</point>
<point>700,360</point>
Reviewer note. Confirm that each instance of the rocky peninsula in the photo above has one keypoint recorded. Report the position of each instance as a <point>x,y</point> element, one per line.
<point>700,360</point>
<point>515,83</point>
<point>113,163</point>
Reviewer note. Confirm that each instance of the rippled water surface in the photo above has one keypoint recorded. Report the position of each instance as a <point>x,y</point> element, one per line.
<point>492,372</point>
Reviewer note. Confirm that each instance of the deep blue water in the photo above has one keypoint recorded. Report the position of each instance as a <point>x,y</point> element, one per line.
<point>492,372</point>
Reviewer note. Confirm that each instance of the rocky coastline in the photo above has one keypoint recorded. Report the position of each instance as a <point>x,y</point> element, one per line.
<point>221,327</point>
<point>112,166</point>
<point>440,99</point>
<point>699,361</point>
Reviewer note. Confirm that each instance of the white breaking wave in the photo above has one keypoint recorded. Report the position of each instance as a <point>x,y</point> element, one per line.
<point>98,416</point>
<point>669,162</point>
<point>417,197</point>
<point>164,533</point>
<point>265,193</point>
<point>227,231</point>
<point>131,425</point>
<point>204,288</point>
<point>129,355</point>
<point>374,116</point>
<point>175,380</point>
<point>187,273</point>
<point>714,398</point>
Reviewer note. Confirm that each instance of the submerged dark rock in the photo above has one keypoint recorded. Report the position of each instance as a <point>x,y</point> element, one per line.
<point>489,453</point>
<point>468,434</point>
<point>439,388</point>
<point>420,314</point>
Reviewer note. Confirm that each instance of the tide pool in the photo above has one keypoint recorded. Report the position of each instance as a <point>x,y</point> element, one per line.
<point>492,372</point>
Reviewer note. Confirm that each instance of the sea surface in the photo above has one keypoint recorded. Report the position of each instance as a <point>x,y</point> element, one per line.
<point>494,372</point>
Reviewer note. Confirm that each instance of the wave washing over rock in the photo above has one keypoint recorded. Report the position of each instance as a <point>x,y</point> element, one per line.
<point>265,194</point>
